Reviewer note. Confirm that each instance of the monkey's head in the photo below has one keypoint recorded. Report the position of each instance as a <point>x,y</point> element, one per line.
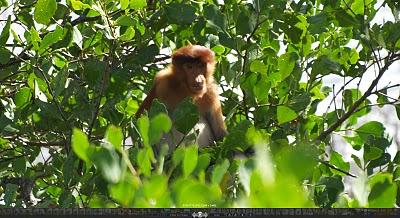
<point>196,63</point>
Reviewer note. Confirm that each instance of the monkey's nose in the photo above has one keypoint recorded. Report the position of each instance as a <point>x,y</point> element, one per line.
<point>197,85</point>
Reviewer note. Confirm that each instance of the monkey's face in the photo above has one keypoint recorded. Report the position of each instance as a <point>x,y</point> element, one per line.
<point>196,76</point>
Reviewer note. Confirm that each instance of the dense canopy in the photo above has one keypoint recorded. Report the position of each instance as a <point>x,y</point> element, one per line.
<point>74,72</point>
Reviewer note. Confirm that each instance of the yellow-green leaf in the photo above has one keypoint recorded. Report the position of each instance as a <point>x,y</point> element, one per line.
<point>44,10</point>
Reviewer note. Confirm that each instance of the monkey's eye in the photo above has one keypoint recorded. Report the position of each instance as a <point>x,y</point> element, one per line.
<point>189,66</point>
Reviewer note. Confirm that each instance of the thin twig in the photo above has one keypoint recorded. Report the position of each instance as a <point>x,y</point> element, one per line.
<point>335,168</point>
<point>357,103</point>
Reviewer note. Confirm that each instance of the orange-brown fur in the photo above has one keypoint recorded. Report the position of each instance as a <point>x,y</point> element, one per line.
<point>174,83</point>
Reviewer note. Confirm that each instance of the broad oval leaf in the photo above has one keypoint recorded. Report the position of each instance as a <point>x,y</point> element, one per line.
<point>158,125</point>
<point>137,4</point>
<point>336,159</point>
<point>109,164</point>
<point>144,126</point>
<point>124,4</point>
<point>44,10</point>
<point>128,34</point>
<point>373,128</point>
<point>185,116</point>
<point>258,67</point>
<point>22,97</point>
<point>285,114</point>
<point>179,13</point>
<point>80,144</point>
<point>219,172</point>
<point>383,191</point>
<point>190,160</point>
<point>5,33</point>
<point>114,136</point>
<point>4,55</point>
<point>286,64</point>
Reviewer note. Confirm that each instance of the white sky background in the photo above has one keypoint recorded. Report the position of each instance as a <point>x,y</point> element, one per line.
<point>386,115</point>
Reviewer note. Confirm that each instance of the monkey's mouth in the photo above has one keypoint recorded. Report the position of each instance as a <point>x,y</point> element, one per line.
<point>197,87</point>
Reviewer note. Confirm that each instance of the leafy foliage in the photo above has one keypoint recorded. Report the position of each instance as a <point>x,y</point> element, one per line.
<point>73,73</point>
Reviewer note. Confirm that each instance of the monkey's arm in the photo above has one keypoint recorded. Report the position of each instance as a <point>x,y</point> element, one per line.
<point>210,108</point>
<point>146,104</point>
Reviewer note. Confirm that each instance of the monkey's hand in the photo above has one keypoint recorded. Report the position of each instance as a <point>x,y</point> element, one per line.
<point>216,123</point>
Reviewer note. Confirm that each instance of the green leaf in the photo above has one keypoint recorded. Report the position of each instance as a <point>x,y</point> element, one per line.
<point>185,116</point>
<point>180,13</point>
<point>20,164</point>
<point>6,32</point>
<point>218,49</point>
<point>22,97</point>
<point>109,164</point>
<point>157,107</point>
<point>226,41</point>
<point>382,160</point>
<point>159,124</point>
<point>357,160</point>
<point>128,34</point>
<point>358,6</point>
<point>138,4</point>
<point>219,172</point>
<point>80,144</point>
<point>10,193</point>
<point>5,55</point>
<point>336,159</point>
<point>190,160</point>
<point>237,136</point>
<point>286,64</point>
<point>258,66</point>
<point>78,5</point>
<point>345,19</point>
<point>203,162</point>
<point>245,23</point>
<point>144,159</point>
<point>196,194</point>
<point>372,153</point>
<point>300,101</point>
<point>44,10</point>
<point>124,191</point>
<point>124,4</point>
<point>125,20</point>
<point>396,158</point>
<point>318,23</point>
<point>178,156</point>
<point>397,106</point>
<point>35,38</point>
<point>324,65</point>
<point>51,38</point>
<point>373,128</point>
<point>355,141</point>
<point>285,114</point>
<point>3,3</point>
<point>114,136</point>
<point>214,17</point>
<point>299,160</point>
<point>146,54</point>
<point>93,72</point>
<point>383,191</point>
<point>144,126</point>
<point>327,190</point>
<point>156,187</point>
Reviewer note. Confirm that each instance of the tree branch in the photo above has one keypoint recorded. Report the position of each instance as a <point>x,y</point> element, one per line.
<point>356,104</point>
<point>335,168</point>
